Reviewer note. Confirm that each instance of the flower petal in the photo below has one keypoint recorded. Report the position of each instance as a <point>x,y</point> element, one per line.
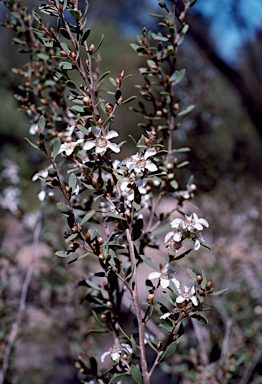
<point>154,275</point>
<point>180,299</point>
<point>176,282</point>
<point>197,245</point>
<point>114,147</point>
<point>203,222</point>
<point>149,152</point>
<point>194,300</point>
<point>177,222</point>
<point>115,356</point>
<point>151,166</point>
<point>165,315</point>
<point>89,145</point>
<point>168,236</point>
<point>111,134</point>
<point>164,283</point>
<point>104,356</point>
<point>177,237</point>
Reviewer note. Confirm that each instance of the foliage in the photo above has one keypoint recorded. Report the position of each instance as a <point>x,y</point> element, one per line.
<point>112,207</point>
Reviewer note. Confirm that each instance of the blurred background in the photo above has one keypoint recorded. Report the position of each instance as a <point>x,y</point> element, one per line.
<point>222,54</point>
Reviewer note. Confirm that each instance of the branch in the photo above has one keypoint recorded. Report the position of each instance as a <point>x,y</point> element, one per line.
<point>22,305</point>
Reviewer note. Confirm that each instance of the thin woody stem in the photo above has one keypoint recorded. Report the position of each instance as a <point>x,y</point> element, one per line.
<point>141,325</point>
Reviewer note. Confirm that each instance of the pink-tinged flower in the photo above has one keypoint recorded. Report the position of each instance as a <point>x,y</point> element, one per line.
<point>163,275</point>
<point>187,295</point>
<point>69,147</point>
<point>139,162</point>
<point>101,142</point>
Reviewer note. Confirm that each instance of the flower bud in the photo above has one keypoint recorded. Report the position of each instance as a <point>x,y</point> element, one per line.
<point>209,285</point>
<point>150,298</point>
<point>100,240</point>
<point>91,48</point>
<point>199,279</point>
<point>63,53</point>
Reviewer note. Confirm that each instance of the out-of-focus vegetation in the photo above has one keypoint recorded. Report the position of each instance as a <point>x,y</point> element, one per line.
<point>225,160</point>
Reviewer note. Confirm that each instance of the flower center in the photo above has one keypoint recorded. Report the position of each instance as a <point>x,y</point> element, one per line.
<point>141,163</point>
<point>101,142</point>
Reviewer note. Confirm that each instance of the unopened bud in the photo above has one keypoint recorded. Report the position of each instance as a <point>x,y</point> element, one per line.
<point>73,55</point>
<point>91,48</point>
<point>150,298</point>
<point>63,53</point>
<point>199,279</point>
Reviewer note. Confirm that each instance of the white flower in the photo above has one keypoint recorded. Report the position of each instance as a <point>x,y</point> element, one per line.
<point>42,194</point>
<point>43,173</point>
<point>187,295</point>
<point>102,143</point>
<point>33,129</point>
<point>165,315</point>
<point>139,162</point>
<point>69,147</point>
<point>163,276</point>
<point>193,223</point>
<point>189,228</point>
<point>115,352</point>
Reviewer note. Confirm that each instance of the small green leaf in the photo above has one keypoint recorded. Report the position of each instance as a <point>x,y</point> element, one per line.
<point>75,13</point>
<point>71,238</point>
<point>177,76</point>
<point>80,257</point>
<point>202,319</point>
<point>65,47</point>
<point>99,44</point>
<point>56,147</point>
<point>114,216</point>
<point>93,285</point>
<point>65,65</point>
<point>72,85</point>
<point>169,351</point>
<point>64,33</point>
<point>134,46</point>
<point>63,253</point>
<point>83,129</point>
<point>217,293</point>
<point>85,35</point>
<point>186,110</point>
<point>102,77</point>
<point>37,17</point>
<point>149,262</point>
<point>136,374</point>
<point>72,182</point>
<point>204,281</point>
<point>118,378</point>
<point>64,208</point>
<point>32,144</point>
<point>129,99</point>
<point>192,274</point>
<point>183,164</point>
<point>87,217</point>
<point>174,184</point>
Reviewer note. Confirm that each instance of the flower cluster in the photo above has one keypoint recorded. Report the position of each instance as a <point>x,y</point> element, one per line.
<point>190,228</point>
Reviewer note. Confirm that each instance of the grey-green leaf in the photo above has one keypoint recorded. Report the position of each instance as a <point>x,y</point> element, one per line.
<point>136,374</point>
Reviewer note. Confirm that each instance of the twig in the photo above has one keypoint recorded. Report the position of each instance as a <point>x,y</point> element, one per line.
<point>22,304</point>
<point>200,339</point>
<point>141,325</point>
<point>226,340</point>
<point>248,372</point>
